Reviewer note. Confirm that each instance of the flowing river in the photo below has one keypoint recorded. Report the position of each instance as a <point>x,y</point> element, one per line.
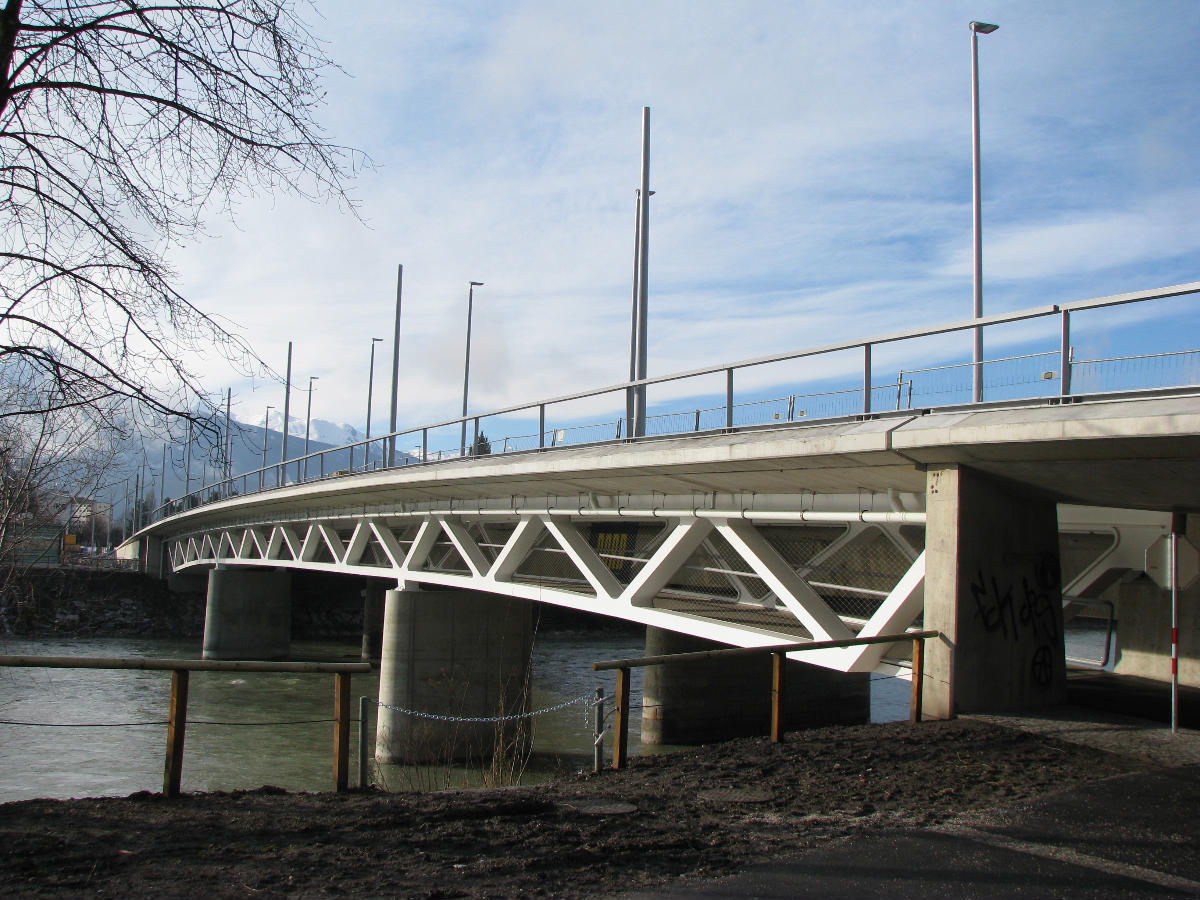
<point>102,733</point>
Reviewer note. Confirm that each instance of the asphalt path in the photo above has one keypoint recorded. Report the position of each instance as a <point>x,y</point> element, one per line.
<point>1131,836</point>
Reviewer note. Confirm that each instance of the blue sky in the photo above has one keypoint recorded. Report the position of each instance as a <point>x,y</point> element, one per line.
<point>812,169</point>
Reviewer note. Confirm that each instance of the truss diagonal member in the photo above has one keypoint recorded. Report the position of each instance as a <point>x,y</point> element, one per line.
<point>522,540</point>
<point>208,550</point>
<point>246,546</point>
<point>259,541</point>
<point>898,611</point>
<point>289,540</point>
<point>673,551</point>
<point>357,545</point>
<point>465,545</point>
<point>311,544</point>
<point>422,545</point>
<point>336,548</point>
<point>580,552</point>
<point>800,599</point>
<point>387,540</point>
<point>226,540</point>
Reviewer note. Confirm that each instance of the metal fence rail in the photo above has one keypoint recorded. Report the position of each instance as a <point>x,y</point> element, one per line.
<point>1049,374</point>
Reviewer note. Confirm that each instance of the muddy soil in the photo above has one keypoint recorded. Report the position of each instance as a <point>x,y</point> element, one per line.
<point>690,815</point>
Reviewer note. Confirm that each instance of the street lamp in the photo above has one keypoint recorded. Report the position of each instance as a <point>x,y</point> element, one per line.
<point>266,425</point>
<point>977,28</point>
<point>370,387</point>
<point>308,422</point>
<point>462,450</point>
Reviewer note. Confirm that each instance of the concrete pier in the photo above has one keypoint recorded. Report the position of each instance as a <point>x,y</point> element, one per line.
<point>248,614</point>
<point>993,588</point>
<point>454,654</point>
<point>719,699</point>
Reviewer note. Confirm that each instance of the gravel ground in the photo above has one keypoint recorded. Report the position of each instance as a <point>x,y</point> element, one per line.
<point>689,815</point>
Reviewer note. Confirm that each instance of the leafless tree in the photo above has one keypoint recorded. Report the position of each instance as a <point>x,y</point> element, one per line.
<point>122,124</point>
<point>51,464</point>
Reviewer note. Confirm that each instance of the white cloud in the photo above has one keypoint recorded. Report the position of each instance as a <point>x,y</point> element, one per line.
<point>811,163</point>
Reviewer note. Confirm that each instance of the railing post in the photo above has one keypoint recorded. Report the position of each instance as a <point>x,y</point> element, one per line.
<point>791,407</point>
<point>697,424</point>
<point>778,667</point>
<point>176,727</point>
<point>424,445</point>
<point>729,398</point>
<point>341,731</point>
<point>475,442</point>
<point>918,676</point>
<point>866,379</point>
<point>541,425</point>
<point>899,387</point>
<point>598,731</point>
<point>364,771</point>
<point>1064,357</point>
<point>621,720</point>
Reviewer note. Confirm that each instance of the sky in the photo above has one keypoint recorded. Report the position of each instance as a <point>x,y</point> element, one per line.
<point>811,163</point>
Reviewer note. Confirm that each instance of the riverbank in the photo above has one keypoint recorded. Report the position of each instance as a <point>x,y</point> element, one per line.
<point>690,815</point>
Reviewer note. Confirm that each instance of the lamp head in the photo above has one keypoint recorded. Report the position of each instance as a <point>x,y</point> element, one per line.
<point>476,284</point>
<point>983,27</point>
<point>376,340</point>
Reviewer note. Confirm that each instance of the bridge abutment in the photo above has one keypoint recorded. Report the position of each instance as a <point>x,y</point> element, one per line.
<point>248,614</point>
<point>452,653</point>
<point>993,588</point>
<point>720,699</point>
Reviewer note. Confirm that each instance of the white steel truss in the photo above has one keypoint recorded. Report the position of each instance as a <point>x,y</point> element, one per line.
<point>487,550</point>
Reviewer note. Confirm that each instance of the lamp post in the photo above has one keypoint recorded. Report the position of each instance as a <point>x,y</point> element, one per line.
<point>287,406</point>
<point>266,432</point>
<point>977,28</point>
<point>308,422</point>
<point>391,444</point>
<point>370,388</point>
<point>462,450</point>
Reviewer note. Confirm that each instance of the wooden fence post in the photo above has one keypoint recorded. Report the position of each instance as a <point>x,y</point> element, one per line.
<point>621,721</point>
<point>176,726</point>
<point>341,732</point>
<point>918,675</point>
<point>778,667</point>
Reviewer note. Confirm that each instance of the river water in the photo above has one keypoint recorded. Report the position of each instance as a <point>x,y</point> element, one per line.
<point>102,733</point>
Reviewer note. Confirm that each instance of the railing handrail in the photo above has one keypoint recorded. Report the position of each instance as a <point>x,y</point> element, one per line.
<point>186,665</point>
<point>726,652</point>
<point>384,440</point>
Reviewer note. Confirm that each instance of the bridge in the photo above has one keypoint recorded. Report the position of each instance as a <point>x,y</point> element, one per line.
<point>769,518</point>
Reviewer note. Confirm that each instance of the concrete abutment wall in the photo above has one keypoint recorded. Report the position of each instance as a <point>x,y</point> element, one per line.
<point>993,588</point>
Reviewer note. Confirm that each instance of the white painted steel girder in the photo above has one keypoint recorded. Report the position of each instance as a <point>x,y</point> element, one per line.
<point>407,557</point>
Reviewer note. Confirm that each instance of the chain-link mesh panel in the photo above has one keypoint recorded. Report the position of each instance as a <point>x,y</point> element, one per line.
<point>444,557</point>
<point>857,576</point>
<point>491,536</point>
<point>715,569</point>
<point>548,563</point>
<point>624,546</point>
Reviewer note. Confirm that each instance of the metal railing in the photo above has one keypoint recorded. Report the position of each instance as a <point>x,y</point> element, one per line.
<point>1053,374</point>
<point>779,654</point>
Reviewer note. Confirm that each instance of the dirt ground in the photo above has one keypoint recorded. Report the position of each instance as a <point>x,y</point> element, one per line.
<point>692,815</point>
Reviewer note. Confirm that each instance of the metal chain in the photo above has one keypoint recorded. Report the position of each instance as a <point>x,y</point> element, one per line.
<point>589,697</point>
